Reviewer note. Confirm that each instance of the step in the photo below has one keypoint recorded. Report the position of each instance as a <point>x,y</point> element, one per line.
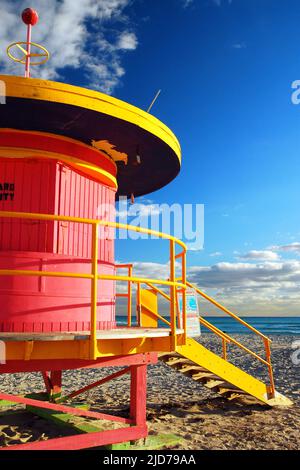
<point>213,383</point>
<point>194,367</point>
<point>204,375</point>
<point>164,356</point>
<point>239,395</point>
<point>173,361</point>
<point>228,388</point>
<point>217,374</point>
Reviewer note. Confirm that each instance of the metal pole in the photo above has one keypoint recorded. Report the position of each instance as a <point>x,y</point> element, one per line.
<point>184,295</point>
<point>270,369</point>
<point>153,101</point>
<point>138,304</point>
<point>173,295</point>
<point>27,66</point>
<point>129,297</point>
<point>224,342</point>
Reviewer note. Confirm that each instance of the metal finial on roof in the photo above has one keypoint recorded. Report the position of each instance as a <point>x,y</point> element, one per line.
<point>30,17</point>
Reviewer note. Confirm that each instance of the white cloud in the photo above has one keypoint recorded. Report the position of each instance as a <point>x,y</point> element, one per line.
<point>239,45</point>
<point>265,288</point>
<point>291,247</point>
<point>220,2</point>
<point>187,3</point>
<point>152,270</point>
<point>266,255</point>
<point>216,253</point>
<point>127,41</point>
<point>89,35</point>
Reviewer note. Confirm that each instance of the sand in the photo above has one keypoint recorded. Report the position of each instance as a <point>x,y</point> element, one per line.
<point>178,405</point>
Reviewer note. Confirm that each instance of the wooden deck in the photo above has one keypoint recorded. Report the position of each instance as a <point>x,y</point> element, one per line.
<point>117,333</point>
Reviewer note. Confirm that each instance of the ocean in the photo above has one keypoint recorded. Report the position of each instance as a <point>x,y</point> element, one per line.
<point>267,325</point>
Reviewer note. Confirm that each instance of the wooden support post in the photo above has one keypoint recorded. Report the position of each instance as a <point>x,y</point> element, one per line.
<point>53,381</point>
<point>56,381</point>
<point>138,394</point>
<point>47,381</point>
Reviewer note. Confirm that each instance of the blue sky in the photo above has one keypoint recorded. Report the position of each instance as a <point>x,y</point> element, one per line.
<point>225,69</point>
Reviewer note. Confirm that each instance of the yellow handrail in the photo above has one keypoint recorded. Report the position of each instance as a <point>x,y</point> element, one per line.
<point>105,223</point>
<point>129,267</point>
<point>214,329</point>
<point>106,277</point>
<point>266,340</point>
<point>141,280</point>
<point>224,309</point>
<point>159,291</point>
<point>173,293</point>
<point>229,339</point>
<point>172,283</point>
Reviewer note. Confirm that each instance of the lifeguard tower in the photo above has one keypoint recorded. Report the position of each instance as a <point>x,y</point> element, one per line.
<point>66,153</point>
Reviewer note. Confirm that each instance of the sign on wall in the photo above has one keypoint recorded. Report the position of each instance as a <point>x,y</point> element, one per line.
<point>192,313</point>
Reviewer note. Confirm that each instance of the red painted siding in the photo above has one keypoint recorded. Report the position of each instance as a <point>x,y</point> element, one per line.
<point>53,304</point>
<point>78,196</point>
<point>34,191</point>
<point>51,188</point>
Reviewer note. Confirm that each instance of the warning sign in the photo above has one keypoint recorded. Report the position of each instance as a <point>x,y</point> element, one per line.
<point>192,313</point>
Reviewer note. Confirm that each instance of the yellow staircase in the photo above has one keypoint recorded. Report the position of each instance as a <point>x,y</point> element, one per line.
<point>218,375</point>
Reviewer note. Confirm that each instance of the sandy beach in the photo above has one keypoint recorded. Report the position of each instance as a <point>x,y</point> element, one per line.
<point>178,405</point>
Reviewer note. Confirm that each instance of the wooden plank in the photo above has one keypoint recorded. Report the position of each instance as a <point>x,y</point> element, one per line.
<point>65,419</point>
<point>65,409</point>
<point>213,383</point>
<point>85,441</point>
<point>204,375</point>
<point>224,390</point>
<point>234,396</point>
<point>118,333</point>
<point>42,336</point>
<point>179,360</point>
<point>194,367</point>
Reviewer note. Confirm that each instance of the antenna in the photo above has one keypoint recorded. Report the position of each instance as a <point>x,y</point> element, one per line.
<point>153,101</point>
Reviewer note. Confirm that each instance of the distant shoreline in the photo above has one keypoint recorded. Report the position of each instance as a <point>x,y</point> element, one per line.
<point>267,325</point>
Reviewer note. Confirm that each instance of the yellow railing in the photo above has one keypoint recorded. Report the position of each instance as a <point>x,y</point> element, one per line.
<point>172,283</point>
<point>226,339</point>
<point>128,294</point>
<point>175,285</point>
